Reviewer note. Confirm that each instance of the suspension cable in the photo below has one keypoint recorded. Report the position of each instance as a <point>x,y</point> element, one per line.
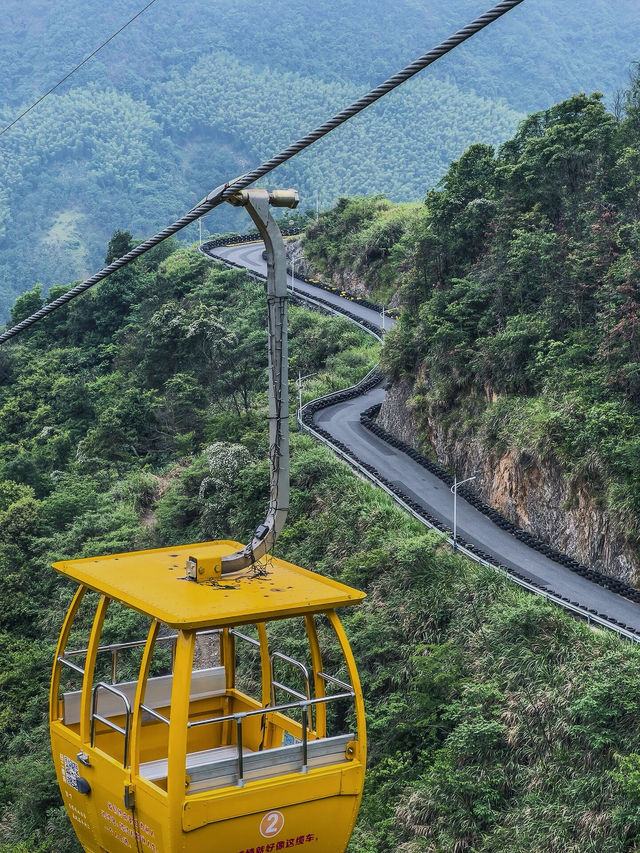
<point>228,189</point>
<point>77,68</point>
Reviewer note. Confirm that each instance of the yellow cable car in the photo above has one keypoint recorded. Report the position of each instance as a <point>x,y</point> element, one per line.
<point>186,760</point>
<point>180,740</point>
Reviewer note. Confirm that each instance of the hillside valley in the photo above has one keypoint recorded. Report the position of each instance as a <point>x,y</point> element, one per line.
<point>488,710</point>
<point>497,214</point>
<point>191,95</point>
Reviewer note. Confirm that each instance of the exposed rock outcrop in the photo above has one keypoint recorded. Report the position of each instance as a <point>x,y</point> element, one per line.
<point>345,280</point>
<point>536,494</point>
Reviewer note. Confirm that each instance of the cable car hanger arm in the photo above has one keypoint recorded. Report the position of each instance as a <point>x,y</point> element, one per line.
<point>257,203</point>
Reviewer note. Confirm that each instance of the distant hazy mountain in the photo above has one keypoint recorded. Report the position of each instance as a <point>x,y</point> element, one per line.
<point>194,93</point>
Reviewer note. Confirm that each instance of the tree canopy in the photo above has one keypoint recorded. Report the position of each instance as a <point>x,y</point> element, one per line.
<point>189,96</point>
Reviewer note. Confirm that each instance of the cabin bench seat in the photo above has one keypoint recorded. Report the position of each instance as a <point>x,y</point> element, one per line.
<point>218,768</point>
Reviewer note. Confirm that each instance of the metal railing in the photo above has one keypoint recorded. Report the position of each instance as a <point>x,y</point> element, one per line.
<point>581,612</point>
<point>333,680</point>
<point>73,666</point>
<point>576,610</point>
<point>304,704</point>
<point>280,686</point>
<point>115,648</point>
<point>239,717</point>
<point>317,302</point>
<point>325,305</point>
<point>106,721</point>
<point>251,640</point>
<point>154,713</point>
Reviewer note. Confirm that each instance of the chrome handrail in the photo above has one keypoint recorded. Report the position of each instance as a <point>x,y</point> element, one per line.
<point>240,716</point>
<point>101,685</point>
<point>333,680</point>
<point>277,684</point>
<point>271,709</point>
<point>133,643</point>
<point>71,665</point>
<point>234,632</point>
<point>114,648</point>
<point>154,713</point>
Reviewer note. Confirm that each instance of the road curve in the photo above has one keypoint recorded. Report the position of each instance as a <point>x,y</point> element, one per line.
<point>250,256</point>
<point>429,492</point>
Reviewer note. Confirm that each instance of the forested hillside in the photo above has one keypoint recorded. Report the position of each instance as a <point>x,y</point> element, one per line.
<point>194,93</point>
<point>519,283</point>
<point>136,418</point>
<point>494,720</point>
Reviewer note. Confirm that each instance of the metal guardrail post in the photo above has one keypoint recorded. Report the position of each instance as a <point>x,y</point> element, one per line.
<point>575,610</point>
<point>571,608</point>
<point>240,782</point>
<point>95,716</point>
<point>305,739</point>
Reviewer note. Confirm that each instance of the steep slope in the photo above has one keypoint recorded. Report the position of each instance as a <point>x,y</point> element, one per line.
<point>490,714</point>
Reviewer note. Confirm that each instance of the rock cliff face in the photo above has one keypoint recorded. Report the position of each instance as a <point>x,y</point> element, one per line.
<point>345,280</point>
<point>535,494</point>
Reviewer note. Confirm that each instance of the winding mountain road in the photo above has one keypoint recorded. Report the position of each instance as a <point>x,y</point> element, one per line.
<point>342,421</point>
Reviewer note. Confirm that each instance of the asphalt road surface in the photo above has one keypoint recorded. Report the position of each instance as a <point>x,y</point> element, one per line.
<point>342,421</point>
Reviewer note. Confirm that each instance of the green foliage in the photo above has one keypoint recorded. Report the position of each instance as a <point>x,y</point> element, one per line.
<point>26,304</point>
<point>518,283</point>
<point>491,715</point>
<point>118,434</point>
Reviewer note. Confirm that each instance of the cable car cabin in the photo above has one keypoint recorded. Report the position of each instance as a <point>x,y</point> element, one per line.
<point>233,722</point>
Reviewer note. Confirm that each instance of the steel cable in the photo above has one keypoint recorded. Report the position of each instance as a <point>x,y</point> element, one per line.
<point>225,191</point>
<point>77,68</point>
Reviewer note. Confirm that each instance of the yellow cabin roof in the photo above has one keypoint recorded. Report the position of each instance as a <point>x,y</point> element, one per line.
<point>153,583</point>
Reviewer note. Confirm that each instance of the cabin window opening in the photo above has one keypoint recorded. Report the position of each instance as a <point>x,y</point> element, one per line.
<point>340,712</point>
<point>75,652</point>
<point>290,659</point>
<point>115,679</point>
<point>272,718</point>
<point>152,742</point>
<point>207,652</point>
<point>248,665</point>
<point>208,689</point>
<point>122,642</point>
<point>164,653</point>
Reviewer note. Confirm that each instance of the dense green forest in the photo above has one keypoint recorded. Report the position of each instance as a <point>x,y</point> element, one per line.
<point>519,283</point>
<point>192,94</point>
<point>495,721</point>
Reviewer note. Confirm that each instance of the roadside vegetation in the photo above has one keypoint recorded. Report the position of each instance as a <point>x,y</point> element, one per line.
<point>519,283</point>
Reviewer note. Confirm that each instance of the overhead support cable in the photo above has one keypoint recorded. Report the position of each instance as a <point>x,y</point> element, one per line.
<point>77,68</point>
<point>230,188</point>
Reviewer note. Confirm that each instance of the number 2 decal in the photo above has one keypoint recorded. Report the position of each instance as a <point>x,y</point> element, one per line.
<point>271,824</point>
